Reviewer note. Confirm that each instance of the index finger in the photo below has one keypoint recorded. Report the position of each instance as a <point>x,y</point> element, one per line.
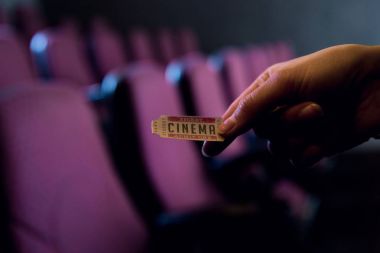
<point>264,95</point>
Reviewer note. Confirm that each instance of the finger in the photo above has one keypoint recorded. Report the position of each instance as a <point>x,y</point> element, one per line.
<point>255,85</point>
<point>276,91</point>
<point>301,113</point>
<point>212,149</point>
<point>282,121</point>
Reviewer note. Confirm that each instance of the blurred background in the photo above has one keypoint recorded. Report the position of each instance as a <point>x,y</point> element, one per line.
<point>80,82</point>
<point>309,25</point>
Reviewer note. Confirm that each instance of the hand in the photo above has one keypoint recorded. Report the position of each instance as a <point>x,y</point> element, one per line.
<point>312,106</point>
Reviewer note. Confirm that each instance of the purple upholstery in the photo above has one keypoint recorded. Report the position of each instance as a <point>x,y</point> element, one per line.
<point>278,52</point>
<point>65,57</point>
<point>257,61</point>
<point>107,47</point>
<point>272,53</point>
<point>63,194</point>
<point>285,51</point>
<point>174,166</point>
<point>187,41</point>
<point>209,98</point>
<point>235,72</point>
<point>167,50</point>
<point>70,27</point>
<point>15,65</point>
<point>141,46</point>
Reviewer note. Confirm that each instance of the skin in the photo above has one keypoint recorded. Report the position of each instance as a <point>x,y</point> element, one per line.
<point>310,107</point>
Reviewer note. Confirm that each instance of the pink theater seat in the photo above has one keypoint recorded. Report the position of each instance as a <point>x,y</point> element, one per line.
<point>259,58</point>
<point>284,51</point>
<point>60,55</point>
<point>278,52</point>
<point>257,61</point>
<point>206,92</point>
<point>107,47</point>
<point>15,65</point>
<point>167,50</point>
<point>174,167</point>
<point>141,45</point>
<point>272,53</point>
<point>70,27</point>
<point>233,70</point>
<point>63,195</point>
<point>187,41</point>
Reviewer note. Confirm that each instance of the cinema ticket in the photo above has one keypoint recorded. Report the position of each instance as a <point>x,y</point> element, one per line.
<point>187,128</point>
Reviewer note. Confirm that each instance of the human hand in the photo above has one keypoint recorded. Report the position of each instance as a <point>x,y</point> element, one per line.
<point>312,106</point>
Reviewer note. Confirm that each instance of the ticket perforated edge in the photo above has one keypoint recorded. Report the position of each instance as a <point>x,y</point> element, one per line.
<point>187,128</point>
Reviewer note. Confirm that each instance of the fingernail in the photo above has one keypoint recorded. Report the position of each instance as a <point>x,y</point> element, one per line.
<point>311,111</point>
<point>211,149</point>
<point>224,116</point>
<point>204,151</point>
<point>227,126</point>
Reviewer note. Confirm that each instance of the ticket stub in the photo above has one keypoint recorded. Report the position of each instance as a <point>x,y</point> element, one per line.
<point>187,128</point>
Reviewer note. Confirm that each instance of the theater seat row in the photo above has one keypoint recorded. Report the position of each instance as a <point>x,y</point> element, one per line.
<point>162,45</point>
<point>125,101</point>
<point>63,195</point>
<point>63,58</point>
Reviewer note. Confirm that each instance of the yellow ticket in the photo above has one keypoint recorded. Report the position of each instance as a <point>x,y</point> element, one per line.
<point>187,128</point>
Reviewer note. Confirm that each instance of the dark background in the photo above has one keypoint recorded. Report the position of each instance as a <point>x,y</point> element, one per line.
<point>309,25</point>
